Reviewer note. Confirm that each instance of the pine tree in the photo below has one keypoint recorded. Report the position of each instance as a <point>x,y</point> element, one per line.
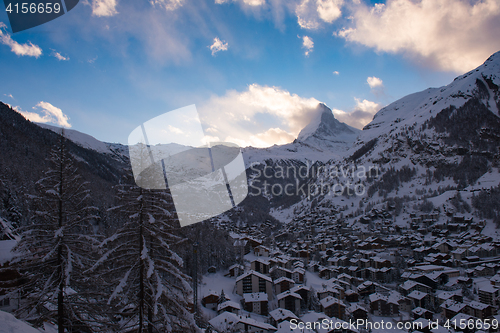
<point>55,248</point>
<point>147,290</point>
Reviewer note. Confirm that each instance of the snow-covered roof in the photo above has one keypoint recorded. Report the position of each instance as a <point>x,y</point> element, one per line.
<point>244,275</point>
<point>283,278</point>
<point>228,304</point>
<point>280,314</point>
<point>330,300</point>
<point>415,294</point>
<point>288,293</point>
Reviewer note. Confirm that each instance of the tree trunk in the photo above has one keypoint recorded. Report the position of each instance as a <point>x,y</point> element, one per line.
<point>141,268</point>
<point>60,296</point>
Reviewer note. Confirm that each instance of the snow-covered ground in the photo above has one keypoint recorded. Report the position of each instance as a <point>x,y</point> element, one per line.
<point>10,324</point>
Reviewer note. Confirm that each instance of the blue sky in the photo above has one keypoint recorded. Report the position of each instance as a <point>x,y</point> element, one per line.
<point>254,68</point>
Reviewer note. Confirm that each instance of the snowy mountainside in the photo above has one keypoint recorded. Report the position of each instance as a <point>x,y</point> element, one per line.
<point>407,117</point>
<point>435,150</point>
<point>89,142</point>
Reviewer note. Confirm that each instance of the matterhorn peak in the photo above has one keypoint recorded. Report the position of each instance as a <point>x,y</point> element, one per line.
<point>324,126</point>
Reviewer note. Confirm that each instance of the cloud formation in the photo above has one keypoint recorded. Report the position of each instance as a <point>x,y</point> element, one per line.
<point>259,116</point>
<point>311,13</point>
<point>374,82</point>
<point>104,7</point>
<point>450,35</point>
<point>59,56</point>
<point>27,49</point>
<point>167,4</point>
<point>218,46</point>
<point>253,3</point>
<point>308,44</point>
<point>48,114</point>
<point>361,114</point>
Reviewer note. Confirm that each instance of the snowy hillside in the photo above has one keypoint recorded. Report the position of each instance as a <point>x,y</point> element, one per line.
<point>392,124</point>
<point>89,142</point>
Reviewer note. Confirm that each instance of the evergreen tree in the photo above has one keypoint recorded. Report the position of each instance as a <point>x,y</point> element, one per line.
<point>55,249</point>
<point>147,290</point>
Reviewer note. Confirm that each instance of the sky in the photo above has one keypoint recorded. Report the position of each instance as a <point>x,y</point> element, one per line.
<point>255,69</point>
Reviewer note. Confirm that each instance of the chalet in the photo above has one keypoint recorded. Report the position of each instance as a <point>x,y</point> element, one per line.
<point>254,282</point>
<point>261,265</point>
<point>420,299</point>
<point>298,275</point>
<point>381,305</point>
<point>283,284</point>
<point>351,296</point>
<point>489,294</point>
<point>333,307</point>
<point>250,243</point>
<point>256,303</point>
<point>211,300</point>
<point>261,251</point>
<point>236,270</point>
<point>303,291</point>
<point>422,313</point>
<point>451,308</point>
<point>480,310</point>
<point>330,291</point>
<point>355,312</point>
<point>446,295</point>
<point>290,301</point>
<point>229,306</point>
<point>280,315</point>
<point>408,286</point>
<point>278,271</point>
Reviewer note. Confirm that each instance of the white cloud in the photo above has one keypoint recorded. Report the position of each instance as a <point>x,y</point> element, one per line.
<point>336,73</point>
<point>252,3</point>
<point>59,56</point>
<point>451,35</point>
<point>174,130</point>
<point>167,4</point>
<point>9,95</point>
<point>329,10</point>
<point>28,49</point>
<point>310,13</point>
<point>218,45</point>
<point>259,116</point>
<point>308,44</point>
<point>49,114</point>
<point>104,7</point>
<point>374,82</point>
<point>360,115</point>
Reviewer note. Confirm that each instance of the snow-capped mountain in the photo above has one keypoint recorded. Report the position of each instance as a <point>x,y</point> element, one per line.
<point>326,131</point>
<point>435,122</point>
<point>323,139</point>
<point>86,141</point>
<point>438,149</point>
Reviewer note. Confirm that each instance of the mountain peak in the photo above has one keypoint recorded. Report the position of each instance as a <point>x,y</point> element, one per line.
<point>324,126</point>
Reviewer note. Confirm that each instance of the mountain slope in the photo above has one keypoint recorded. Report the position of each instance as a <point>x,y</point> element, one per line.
<point>25,149</point>
<point>323,139</point>
<point>422,123</point>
